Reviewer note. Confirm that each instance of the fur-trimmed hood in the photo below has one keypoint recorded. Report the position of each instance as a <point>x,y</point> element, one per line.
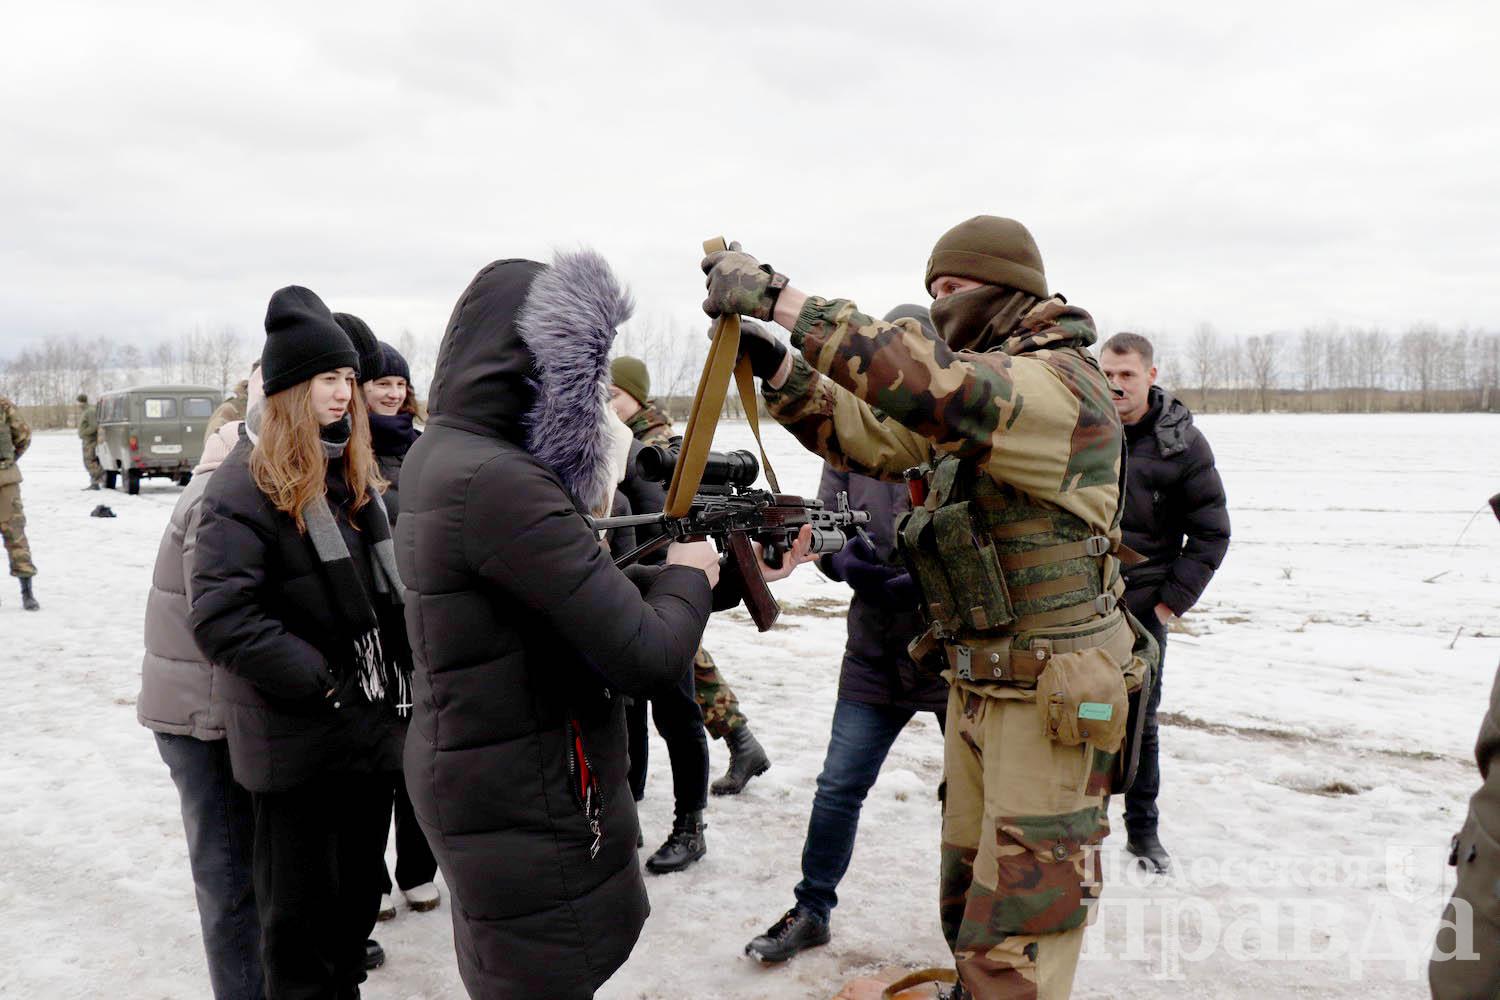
<point>526,358</point>
<point>569,323</point>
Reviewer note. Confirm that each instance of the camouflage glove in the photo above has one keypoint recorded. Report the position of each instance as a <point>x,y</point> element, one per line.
<point>740,284</point>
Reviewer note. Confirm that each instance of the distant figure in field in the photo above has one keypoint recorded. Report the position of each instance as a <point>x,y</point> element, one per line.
<point>88,437</point>
<point>15,438</point>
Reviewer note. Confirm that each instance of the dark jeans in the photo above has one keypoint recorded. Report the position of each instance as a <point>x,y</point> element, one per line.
<point>220,826</point>
<point>318,848</point>
<point>862,737</point>
<point>1140,801</point>
<point>415,864</point>
<point>679,720</point>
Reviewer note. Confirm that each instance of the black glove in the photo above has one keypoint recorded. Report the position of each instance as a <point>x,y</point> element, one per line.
<point>902,592</point>
<point>764,349</point>
<point>860,566</point>
<point>766,352</point>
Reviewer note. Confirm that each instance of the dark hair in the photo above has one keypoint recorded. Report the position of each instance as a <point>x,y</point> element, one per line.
<point>1125,343</point>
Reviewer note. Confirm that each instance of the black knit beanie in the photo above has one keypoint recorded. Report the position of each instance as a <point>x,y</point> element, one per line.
<point>302,340</point>
<point>363,339</point>
<point>392,364</point>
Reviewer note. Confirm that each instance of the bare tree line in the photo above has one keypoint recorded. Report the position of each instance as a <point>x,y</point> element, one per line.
<point>1336,370</point>
<point>47,378</point>
<point>1322,369</point>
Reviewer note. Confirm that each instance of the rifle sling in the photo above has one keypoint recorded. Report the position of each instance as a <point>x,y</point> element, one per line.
<point>708,402</point>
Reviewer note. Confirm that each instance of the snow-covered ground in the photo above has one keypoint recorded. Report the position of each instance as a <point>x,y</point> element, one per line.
<point>1321,706</point>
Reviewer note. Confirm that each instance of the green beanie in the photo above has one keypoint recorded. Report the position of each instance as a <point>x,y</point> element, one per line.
<point>991,250</point>
<point>630,374</point>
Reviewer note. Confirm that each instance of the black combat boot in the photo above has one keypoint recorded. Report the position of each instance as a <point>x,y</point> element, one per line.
<point>374,954</point>
<point>684,845</point>
<point>27,601</point>
<point>747,758</point>
<point>797,930</point>
<point>1147,847</point>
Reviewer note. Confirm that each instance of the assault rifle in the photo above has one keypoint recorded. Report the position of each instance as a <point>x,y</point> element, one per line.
<point>728,509</point>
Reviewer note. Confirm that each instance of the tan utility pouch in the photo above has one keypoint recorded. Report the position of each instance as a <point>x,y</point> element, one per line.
<point>1082,699</point>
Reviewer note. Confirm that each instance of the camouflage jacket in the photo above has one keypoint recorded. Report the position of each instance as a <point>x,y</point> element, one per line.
<point>650,425</point>
<point>1034,413</point>
<point>15,438</point>
<point>229,411</point>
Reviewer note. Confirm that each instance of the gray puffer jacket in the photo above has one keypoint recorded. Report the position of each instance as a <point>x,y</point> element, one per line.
<point>176,678</point>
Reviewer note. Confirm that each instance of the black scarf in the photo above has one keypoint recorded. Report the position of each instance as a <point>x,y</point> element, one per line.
<point>381,677</point>
<point>393,436</point>
<point>980,318</point>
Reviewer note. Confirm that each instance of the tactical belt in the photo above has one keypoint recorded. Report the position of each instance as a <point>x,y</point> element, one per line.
<point>997,660</point>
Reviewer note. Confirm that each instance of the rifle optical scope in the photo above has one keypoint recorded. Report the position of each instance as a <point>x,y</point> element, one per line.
<point>724,468</point>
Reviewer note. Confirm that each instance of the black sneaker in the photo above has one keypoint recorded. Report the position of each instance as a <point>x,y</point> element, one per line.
<point>797,930</point>
<point>374,954</point>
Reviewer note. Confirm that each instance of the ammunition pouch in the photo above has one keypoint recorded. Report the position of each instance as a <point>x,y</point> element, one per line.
<point>1082,699</point>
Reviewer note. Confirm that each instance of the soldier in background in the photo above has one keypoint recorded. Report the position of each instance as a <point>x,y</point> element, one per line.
<point>1476,898</point>
<point>15,438</point>
<point>631,398</point>
<point>233,408</point>
<point>88,437</point>
<point>1014,550</point>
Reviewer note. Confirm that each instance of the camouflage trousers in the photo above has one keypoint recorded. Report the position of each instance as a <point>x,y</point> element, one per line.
<point>1016,879</point>
<point>721,709</point>
<point>91,462</point>
<point>13,531</point>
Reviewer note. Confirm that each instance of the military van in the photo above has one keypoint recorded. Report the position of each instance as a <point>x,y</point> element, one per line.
<point>153,431</point>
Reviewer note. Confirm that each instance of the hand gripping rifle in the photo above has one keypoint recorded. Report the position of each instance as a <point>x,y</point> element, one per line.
<point>730,510</point>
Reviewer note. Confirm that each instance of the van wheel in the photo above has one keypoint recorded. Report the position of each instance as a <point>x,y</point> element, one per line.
<point>109,480</point>
<point>183,478</point>
<point>133,481</point>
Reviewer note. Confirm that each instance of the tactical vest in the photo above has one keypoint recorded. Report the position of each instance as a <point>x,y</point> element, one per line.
<point>7,443</point>
<point>1006,582</point>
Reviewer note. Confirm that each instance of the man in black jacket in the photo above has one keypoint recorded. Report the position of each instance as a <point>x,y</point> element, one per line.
<point>880,689</point>
<point>1175,517</point>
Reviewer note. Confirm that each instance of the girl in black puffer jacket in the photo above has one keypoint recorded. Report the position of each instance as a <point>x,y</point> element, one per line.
<point>394,409</point>
<point>525,633</point>
<point>293,590</point>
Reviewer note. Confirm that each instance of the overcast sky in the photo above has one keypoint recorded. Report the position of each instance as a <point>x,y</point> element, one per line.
<point>1263,166</point>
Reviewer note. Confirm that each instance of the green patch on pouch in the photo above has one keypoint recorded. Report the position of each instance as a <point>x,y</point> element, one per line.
<point>1096,710</point>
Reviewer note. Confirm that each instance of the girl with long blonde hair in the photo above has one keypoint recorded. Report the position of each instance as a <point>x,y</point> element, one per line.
<point>294,591</point>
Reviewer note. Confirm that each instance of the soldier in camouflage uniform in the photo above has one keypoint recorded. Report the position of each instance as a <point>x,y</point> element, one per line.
<point>88,437</point>
<point>15,438</point>
<point>1014,550</point>
<point>232,409</point>
<point>630,396</point>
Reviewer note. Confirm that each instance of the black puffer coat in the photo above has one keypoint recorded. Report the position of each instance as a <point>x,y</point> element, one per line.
<point>1175,511</point>
<point>877,669</point>
<point>262,615</point>
<point>516,615</point>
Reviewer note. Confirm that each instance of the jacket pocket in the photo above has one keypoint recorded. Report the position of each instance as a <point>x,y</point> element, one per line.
<point>583,785</point>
